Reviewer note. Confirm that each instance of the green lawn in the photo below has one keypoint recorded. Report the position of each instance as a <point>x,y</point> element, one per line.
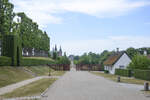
<point>40,70</point>
<point>58,73</point>
<point>43,58</point>
<point>123,79</point>
<point>10,75</point>
<point>32,89</point>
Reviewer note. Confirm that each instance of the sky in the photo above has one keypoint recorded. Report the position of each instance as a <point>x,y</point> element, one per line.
<point>80,26</point>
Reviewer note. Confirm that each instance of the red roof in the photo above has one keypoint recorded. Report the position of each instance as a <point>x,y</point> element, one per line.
<point>113,58</point>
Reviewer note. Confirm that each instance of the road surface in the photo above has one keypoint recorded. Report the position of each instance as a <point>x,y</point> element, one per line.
<point>86,86</point>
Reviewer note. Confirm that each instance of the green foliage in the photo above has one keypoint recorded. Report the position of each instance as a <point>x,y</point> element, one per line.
<point>31,35</point>
<point>63,60</point>
<point>104,55</point>
<point>55,56</point>
<point>27,61</point>
<point>142,74</point>
<point>132,52</point>
<point>123,72</point>
<point>92,58</point>
<point>140,62</point>
<point>106,71</point>
<point>6,16</point>
<point>5,61</point>
<point>11,48</point>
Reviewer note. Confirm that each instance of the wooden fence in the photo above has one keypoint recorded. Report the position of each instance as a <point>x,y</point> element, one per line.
<point>60,67</point>
<point>88,67</point>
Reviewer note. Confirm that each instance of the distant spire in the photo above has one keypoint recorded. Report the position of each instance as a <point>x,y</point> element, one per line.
<point>55,47</point>
<point>60,50</point>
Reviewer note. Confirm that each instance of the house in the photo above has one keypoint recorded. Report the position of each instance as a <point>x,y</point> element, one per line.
<point>117,60</point>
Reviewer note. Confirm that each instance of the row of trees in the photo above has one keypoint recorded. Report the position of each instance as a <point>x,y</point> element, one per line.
<point>21,25</point>
<point>92,58</point>
<point>139,61</point>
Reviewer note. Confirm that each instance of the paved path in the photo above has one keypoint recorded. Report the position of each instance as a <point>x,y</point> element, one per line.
<point>85,86</point>
<point>12,87</point>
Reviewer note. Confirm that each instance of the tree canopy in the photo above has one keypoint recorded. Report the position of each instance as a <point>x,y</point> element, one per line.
<point>140,62</point>
<point>26,29</point>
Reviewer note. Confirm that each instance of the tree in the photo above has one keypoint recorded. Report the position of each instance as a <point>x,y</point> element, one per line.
<point>140,62</point>
<point>6,17</point>
<point>132,52</point>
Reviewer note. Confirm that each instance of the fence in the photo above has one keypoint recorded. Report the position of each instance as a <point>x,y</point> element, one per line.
<point>88,67</point>
<point>31,52</point>
<point>60,67</point>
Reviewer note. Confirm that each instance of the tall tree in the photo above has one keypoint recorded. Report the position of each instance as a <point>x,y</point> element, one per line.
<point>6,16</point>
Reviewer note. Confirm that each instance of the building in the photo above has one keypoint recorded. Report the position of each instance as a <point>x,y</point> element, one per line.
<point>118,60</point>
<point>59,53</point>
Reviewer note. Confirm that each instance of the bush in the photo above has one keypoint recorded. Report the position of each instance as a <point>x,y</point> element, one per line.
<point>106,71</point>
<point>31,61</point>
<point>140,62</point>
<point>5,61</point>
<point>142,74</point>
<point>123,72</point>
<point>11,48</point>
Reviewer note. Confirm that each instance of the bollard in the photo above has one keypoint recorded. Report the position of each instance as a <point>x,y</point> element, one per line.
<point>118,79</point>
<point>146,86</point>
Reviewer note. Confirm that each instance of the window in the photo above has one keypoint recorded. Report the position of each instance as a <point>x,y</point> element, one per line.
<point>121,67</point>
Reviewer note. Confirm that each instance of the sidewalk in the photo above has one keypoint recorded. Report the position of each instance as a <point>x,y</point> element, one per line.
<point>12,87</point>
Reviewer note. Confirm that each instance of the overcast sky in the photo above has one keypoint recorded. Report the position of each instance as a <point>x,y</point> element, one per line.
<point>91,25</point>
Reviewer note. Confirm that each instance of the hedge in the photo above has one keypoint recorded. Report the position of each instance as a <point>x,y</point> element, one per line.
<point>11,47</point>
<point>106,71</point>
<point>5,61</point>
<point>27,61</point>
<point>123,72</point>
<point>142,74</point>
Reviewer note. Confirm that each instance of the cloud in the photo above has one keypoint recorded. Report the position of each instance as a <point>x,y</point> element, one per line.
<point>47,11</point>
<point>109,43</point>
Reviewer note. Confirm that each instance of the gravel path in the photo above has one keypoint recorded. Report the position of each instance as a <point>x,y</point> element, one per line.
<point>12,87</point>
<point>86,86</point>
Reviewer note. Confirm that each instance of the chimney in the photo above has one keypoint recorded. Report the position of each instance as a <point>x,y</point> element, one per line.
<point>117,50</point>
<point>145,53</point>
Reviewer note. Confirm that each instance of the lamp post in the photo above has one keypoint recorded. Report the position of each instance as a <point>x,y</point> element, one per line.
<point>49,71</point>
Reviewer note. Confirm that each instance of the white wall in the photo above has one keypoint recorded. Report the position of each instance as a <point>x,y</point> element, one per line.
<point>123,61</point>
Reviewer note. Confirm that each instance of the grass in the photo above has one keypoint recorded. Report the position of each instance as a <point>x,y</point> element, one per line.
<point>58,73</point>
<point>123,79</point>
<point>43,58</point>
<point>10,75</point>
<point>32,89</point>
<point>40,70</point>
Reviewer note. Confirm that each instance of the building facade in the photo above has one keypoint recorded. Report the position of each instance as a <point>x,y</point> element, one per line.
<point>119,60</point>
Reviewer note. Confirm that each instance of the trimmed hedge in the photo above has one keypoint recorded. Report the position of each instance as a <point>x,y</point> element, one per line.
<point>142,74</point>
<point>5,61</point>
<point>11,48</point>
<point>123,72</point>
<point>27,61</point>
<point>106,71</point>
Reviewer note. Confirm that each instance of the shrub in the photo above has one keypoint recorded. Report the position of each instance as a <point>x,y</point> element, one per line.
<point>123,72</point>
<point>5,61</point>
<point>31,61</point>
<point>140,62</point>
<point>142,74</point>
<point>106,71</point>
<point>11,48</point>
